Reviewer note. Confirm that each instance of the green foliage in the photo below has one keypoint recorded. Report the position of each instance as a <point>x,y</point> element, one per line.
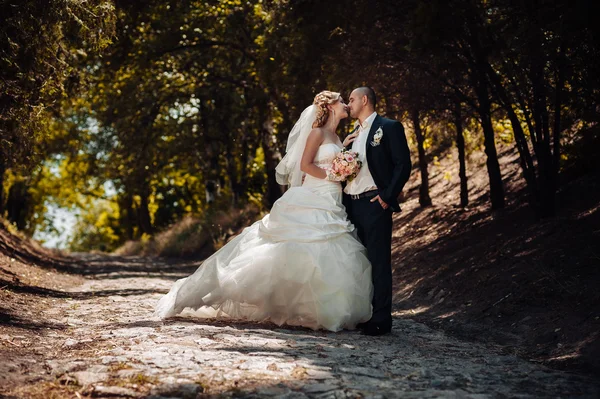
<point>98,228</point>
<point>42,49</point>
<point>127,113</point>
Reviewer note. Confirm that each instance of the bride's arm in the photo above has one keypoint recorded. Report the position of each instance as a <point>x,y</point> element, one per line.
<point>314,140</point>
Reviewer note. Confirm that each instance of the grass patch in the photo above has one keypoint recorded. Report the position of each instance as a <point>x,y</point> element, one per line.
<point>193,236</point>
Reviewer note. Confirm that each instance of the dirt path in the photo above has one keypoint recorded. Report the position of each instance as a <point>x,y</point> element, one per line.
<point>111,346</point>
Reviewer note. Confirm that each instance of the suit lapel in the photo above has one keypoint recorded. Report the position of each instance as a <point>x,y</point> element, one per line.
<point>374,126</point>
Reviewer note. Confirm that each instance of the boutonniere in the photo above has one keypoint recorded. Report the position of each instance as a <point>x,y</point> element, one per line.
<point>377,137</point>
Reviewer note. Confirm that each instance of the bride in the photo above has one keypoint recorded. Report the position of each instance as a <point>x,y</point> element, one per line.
<point>302,263</point>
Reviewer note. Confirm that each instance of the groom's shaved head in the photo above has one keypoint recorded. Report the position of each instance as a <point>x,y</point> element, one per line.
<point>370,93</point>
<point>359,108</point>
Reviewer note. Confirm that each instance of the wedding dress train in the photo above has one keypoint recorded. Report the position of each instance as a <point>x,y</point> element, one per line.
<point>300,265</point>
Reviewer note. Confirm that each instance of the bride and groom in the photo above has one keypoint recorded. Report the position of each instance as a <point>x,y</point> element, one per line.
<point>322,257</point>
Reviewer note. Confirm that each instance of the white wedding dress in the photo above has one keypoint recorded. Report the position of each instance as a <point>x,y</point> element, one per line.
<point>300,265</point>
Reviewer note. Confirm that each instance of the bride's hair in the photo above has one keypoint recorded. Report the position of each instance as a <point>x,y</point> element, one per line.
<point>322,100</point>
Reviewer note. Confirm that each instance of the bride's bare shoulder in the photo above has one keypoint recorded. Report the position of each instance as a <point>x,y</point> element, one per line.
<point>317,134</point>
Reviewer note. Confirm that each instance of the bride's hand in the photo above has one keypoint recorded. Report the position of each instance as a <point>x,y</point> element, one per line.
<point>349,139</point>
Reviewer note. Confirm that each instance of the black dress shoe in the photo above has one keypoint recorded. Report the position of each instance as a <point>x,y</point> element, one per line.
<point>375,329</point>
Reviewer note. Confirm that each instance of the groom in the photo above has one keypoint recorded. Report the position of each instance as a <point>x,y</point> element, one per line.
<point>371,197</point>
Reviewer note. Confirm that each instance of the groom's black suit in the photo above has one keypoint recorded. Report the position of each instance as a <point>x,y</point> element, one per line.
<point>389,164</point>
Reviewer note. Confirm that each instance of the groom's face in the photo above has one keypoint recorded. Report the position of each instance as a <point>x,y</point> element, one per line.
<point>355,103</point>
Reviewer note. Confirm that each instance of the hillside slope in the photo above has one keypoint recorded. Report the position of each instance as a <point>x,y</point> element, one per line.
<point>530,287</point>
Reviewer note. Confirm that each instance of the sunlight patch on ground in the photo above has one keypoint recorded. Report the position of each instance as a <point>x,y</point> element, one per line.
<point>411,312</point>
<point>407,290</point>
<point>447,315</point>
<point>588,212</point>
<point>568,356</point>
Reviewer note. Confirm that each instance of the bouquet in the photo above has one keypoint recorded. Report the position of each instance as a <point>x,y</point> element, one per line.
<point>345,165</point>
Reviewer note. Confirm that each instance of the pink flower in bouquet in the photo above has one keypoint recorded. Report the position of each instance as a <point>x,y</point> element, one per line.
<point>346,165</point>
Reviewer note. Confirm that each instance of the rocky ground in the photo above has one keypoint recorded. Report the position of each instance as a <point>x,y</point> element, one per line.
<point>101,340</point>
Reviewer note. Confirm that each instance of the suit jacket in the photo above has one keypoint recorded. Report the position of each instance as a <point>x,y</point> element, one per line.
<point>388,161</point>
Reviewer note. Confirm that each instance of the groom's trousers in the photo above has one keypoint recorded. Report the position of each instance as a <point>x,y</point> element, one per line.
<point>374,228</point>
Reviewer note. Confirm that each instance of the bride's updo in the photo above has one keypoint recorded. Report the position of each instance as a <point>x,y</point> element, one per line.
<point>322,100</point>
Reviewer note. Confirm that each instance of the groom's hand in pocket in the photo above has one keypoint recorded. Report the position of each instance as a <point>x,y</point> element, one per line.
<point>381,202</point>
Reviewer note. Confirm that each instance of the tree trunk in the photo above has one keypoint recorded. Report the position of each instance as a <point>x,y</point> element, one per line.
<point>493,167</point>
<point>144,220</point>
<point>517,89</point>
<point>232,170</point>
<point>248,151</point>
<point>128,218</point>
<point>527,166</point>
<point>560,81</point>
<point>213,181</point>
<point>543,151</point>
<point>477,59</point>
<point>242,186</point>
<point>273,188</point>
<point>424,198</point>
<point>2,171</point>
<point>460,145</point>
<point>17,204</point>
<point>539,90</point>
<point>550,183</point>
<point>237,180</point>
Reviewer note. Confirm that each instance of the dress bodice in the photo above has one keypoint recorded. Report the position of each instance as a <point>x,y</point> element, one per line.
<point>323,159</point>
<point>325,154</point>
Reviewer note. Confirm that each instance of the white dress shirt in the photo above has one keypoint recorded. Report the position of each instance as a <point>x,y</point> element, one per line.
<point>363,180</point>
